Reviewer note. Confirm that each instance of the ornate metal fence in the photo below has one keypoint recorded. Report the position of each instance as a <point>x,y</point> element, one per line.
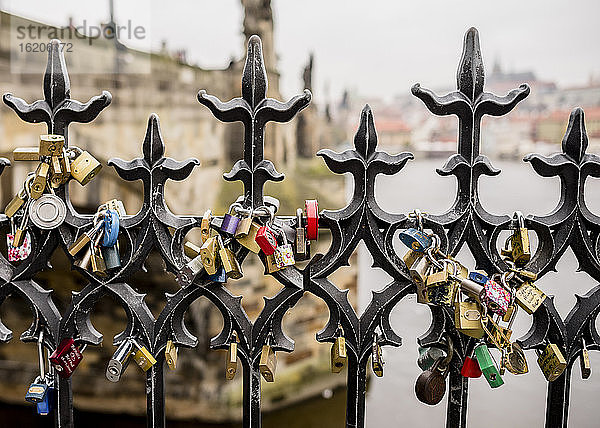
<point>571,224</point>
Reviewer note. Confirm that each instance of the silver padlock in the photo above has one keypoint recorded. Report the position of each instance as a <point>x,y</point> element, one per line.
<point>47,212</point>
<point>119,361</point>
<point>111,256</point>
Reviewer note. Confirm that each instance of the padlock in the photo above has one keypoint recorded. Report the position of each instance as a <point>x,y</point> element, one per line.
<point>48,212</point>
<point>529,297</point>
<point>208,255</point>
<point>111,228</point>
<point>411,257</point>
<point>38,185</point>
<point>60,172</point>
<point>311,207</point>
<point>190,249</point>
<point>495,297</point>
<point>143,357</point>
<point>584,361</point>
<point>84,239</point>
<point>171,355</point>
<point>84,167</point>
<point>418,272</point>
<point>300,243</point>
<point>338,354</point>
<point>26,154</point>
<point>96,259</point>
<point>268,363</point>
<point>187,275</point>
<point>16,254</point>
<point>243,227</point>
<point>526,275</point>
<point>428,356</point>
<point>51,145</point>
<point>509,313</point>
<point>377,359</point>
<point>119,361</point>
<point>430,386</point>
<point>229,261</point>
<point>440,288</point>
<point>230,221</point>
<point>415,239</point>
<point>249,241</point>
<point>220,276</point>
<point>231,363</point>
<point>284,253</point>
<point>15,203</point>
<point>36,391</point>
<point>270,203</point>
<point>471,288</point>
<point>470,368</point>
<point>514,359</point>
<point>552,362</point>
<point>271,265</point>
<point>266,240</point>
<point>487,365</point>
<point>499,335</point>
<point>519,241</point>
<point>21,231</point>
<point>205,226</point>
<point>47,405</point>
<point>84,262</point>
<point>478,277</point>
<point>66,357</point>
<point>467,318</point>
<point>111,256</point>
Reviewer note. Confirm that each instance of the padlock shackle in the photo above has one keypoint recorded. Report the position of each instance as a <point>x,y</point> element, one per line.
<point>41,357</point>
<point>520,219</point>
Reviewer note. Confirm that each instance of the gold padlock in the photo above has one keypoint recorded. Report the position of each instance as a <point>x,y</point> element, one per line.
<point>268,363</point>
<point>51,144</point>
<point>26,154</point>
<point>243,227</point>
<point>143,357</point>
<point>514,359</point>
<point>191,250</point>
<point>467,318</point>
<point>230,263</point>
<point>205,226</point>
<point>85,167</point>
<point>208,254</point>
<point>171,355</point>
<point>271,265</point>
<point>98,265</point>
<point>377,360</point>
<point>231,363</point>
<point>249,241</point>
<point>38,185</point>
<point>529,297</point>
<point>338,355</point>
<point>19,237</point>
<point>500,336</point>
<point>584,362</point>
<point>411,257</point>
<point>509,313</point>
<point>419,270</point>
<point>15,203</point>
<point>84,262</point>
<point>552,362</point>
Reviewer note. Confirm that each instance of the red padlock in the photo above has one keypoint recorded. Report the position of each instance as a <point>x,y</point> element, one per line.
<point>470,368</point>
<point>266,240</point>
<point>66,357</point>
<point>312,219</point>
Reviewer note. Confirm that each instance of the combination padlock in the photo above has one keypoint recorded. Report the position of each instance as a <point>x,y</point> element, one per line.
<point>430,387</point>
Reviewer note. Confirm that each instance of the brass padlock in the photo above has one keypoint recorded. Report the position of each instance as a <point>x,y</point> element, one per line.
<point>143,357</point>
<point>519,242</point>
<point>514,359</point>
<point>230,263</point>
<point>419,270</point>
<point>84,262</point>
<point>243,227</point>
<point>268,363</point>
<point>60,171</point>
<point>51,144</point>
<point>411,257</point>
<point>15,203</point>
<point>19,237</point>
<point>249,241</point>
<point>271,265</point>
<point>552,362</point>
<point>584,361</point>
<point>467,318</point>
<point>499,335</point>
<point>509,313</point>
<point>377,359</point>
<point>38,185</point>
<point>85,167</point>
<point>231,363</point>
<point>208,254</point>
<point>338,354</point>
<point>97,261</point>
<point>26,154</point>
<point>529,297</point>
<point>191,250</point>
<point>205,226</point>
<point>171,355</point>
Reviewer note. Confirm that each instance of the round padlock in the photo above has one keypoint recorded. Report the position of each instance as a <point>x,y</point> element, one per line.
<point>48,212</point>
<point>312,219</point>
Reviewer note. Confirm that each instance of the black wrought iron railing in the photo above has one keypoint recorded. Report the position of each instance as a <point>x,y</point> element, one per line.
<point>570,225</point>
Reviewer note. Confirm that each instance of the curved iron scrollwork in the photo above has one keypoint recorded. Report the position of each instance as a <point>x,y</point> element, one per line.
<point>570,224</point>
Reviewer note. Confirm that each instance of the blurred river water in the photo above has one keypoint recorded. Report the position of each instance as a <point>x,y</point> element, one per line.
<point>521,401</point>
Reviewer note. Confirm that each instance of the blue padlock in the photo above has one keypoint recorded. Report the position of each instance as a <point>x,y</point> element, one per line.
<point>416,240</point>
<point>219,276</point>
<point>478,277</point>
<point>111,228</point>
<point>46,406</point>
<point>37,391</point>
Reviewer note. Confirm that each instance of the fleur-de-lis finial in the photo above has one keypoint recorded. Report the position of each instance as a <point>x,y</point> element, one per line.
<point>254,110</point>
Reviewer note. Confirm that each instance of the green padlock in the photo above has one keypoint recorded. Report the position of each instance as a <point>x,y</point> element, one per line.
<point>486,363</point>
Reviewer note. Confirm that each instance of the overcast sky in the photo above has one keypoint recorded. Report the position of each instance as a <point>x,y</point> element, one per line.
<point>378,48</point>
